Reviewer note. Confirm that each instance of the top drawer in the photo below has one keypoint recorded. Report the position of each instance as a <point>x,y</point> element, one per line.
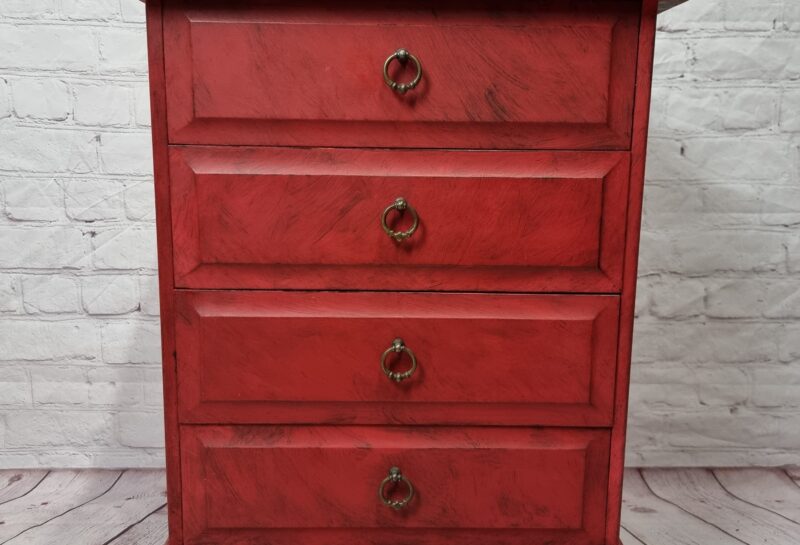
<point>552,74</point>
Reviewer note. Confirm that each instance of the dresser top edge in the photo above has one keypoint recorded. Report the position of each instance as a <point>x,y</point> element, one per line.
<point>663,5</point>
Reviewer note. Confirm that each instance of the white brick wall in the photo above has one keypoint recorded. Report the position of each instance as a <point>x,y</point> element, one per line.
<point>716,379</point>
<point>79,347</point>
<point>717,373</point>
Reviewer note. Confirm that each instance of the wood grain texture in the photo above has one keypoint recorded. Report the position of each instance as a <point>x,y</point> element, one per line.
<point>311,219</point>
<point>627,538</point>
<point>59,493</point>
<point>641,119</point>
<point>508,74</point>
<point>659,521</point>
<point>150,531</point>
<point>521,485</point>
<point>15,484</point>
<point>136,494</point>
<point>158,112</point>
<point>249,357</point>
<point>771,489</point>
<point>697,491</point>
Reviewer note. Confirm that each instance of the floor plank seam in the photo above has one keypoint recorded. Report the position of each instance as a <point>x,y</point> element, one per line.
<point>126,530</point>
<point>632,533</point>
<point>29,491</point>
<point>641,473</point>
<point>734,496</point>
<point>797,484</point>
<point>9,540</point>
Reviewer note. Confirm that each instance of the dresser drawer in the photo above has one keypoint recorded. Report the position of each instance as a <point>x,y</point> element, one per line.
<point>276,357</point>
<point>320,486</point>
<point>311,219</point>
<point>550,74</point>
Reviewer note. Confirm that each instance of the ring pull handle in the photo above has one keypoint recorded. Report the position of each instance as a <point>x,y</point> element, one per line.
<point>402,56</point>
<point>395,476</point>
<point>401,205</point>
<point>397,347</point>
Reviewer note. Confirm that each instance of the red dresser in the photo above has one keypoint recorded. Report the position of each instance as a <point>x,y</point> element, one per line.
<point>397,248</point>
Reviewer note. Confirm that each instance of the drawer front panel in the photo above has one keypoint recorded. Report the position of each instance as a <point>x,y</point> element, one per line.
<point>311,219</point>
<point>315,485</point>
<point>508,74</point>
<point>272,357</point>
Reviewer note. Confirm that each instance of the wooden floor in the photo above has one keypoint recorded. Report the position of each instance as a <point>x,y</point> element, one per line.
<point>660,507</point>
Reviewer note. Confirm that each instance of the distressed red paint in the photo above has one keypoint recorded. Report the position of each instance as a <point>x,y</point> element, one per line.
<point>277,146</point>
<point>256,357</point>
<point>283,218</point>
<point>551,74</point>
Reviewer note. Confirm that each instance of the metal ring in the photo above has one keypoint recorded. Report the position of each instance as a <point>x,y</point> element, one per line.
<point>402,57</point>
<point>398,346</point>
<point>395,476</point>
<point>400,204</point>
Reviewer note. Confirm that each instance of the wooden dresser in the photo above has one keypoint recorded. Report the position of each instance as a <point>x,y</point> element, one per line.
<point>398,247</point>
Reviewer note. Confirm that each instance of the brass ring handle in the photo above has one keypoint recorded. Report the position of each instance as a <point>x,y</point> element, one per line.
<point>402,57</point>
<point>397,347</point>
<point>401,205</point>
<point>395,476</point>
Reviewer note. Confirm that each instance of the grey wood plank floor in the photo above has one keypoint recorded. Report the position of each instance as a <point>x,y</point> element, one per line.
<point>660,507</point>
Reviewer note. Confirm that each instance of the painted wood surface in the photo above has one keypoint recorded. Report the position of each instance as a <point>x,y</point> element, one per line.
<point>271,357</point>
<point>15,484</point>
<point>653,520</point>
<point>641,119</point>
<point>663,5</point>
<point>508,74</point>
<point>158,112</point>
<point>558,222</point>
<point>311,219</point>
<point>521,485</point>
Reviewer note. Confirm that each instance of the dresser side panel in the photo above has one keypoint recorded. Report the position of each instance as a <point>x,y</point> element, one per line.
<point>641,120</point>
<point>158,108</point>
